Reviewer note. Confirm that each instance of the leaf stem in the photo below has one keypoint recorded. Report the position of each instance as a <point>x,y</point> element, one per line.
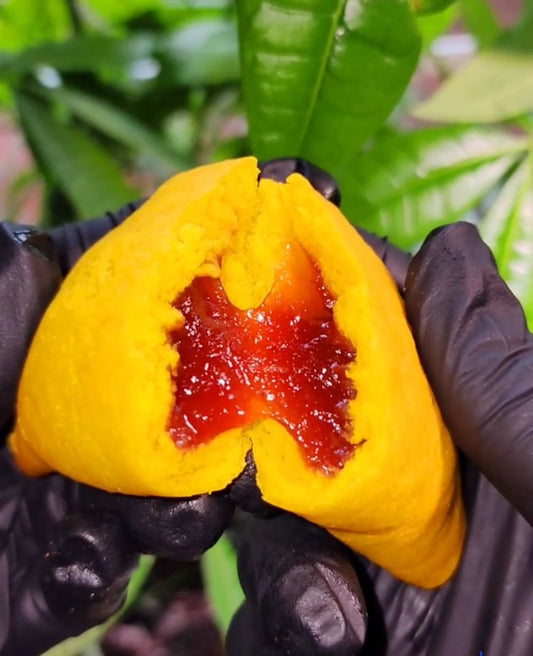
<point>74,16</point>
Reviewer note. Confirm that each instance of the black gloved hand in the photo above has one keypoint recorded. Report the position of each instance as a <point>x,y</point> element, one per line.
<point>67,550</point>
<point>478,355</point>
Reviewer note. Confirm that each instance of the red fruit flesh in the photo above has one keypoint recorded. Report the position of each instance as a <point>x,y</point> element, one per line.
<point>284,359</point>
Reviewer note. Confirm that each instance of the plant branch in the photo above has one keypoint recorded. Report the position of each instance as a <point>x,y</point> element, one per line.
<point>75,17</point>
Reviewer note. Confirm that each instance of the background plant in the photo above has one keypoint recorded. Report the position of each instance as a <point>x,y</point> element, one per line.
<point>112,97</point>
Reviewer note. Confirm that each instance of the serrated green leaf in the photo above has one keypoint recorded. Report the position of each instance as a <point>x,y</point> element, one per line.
<point>496,85</point>
<point>87,175</point>
<point>508,230</point>
<point>319,78</point>
<point>407,184</point>
<point>121,126</point>
<point>479,21</point>
<point>219,569</point>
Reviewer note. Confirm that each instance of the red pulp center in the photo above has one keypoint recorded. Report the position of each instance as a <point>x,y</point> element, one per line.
<point>284,359</point>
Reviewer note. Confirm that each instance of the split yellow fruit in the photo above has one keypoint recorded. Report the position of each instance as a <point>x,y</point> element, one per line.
<point>227,315</point>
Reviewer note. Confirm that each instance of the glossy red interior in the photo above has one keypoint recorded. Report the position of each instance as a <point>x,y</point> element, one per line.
<point>284,359</point>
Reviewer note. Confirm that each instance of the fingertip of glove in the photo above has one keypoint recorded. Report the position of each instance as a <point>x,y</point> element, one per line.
<point>90,552</point>
<point>281,168</point>
<point>452,266</point>
<point>180,529</point>
<point>86,568</point>
<point>317,607</point>
<point>458,242</point>
<point>303,585</point>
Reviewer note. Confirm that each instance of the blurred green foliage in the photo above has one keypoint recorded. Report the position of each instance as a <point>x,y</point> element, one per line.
<point>109,94</point>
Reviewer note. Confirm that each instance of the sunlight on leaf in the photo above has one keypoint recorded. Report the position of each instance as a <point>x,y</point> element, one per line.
<point>496,85</point>
<point>508,230</point>
<point>219,568</point>
<point>310,72</point>
<point>407,184</point>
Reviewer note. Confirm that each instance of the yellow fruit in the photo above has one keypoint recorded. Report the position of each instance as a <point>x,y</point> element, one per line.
<point>227,315</point>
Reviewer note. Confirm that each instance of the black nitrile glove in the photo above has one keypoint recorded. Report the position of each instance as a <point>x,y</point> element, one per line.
<point>478,354</point>
<point>67,550</point>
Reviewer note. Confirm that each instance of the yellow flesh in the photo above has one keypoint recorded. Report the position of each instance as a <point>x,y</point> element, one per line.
<point>96,390</point>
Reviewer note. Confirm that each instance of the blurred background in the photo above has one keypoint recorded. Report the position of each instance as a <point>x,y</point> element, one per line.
<point>101,100</point>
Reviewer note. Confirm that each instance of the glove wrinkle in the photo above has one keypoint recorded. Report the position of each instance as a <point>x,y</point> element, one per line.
<point>29,278</point>
<point>73,239</point>
<point>487,606</point>
<point>410,615</point>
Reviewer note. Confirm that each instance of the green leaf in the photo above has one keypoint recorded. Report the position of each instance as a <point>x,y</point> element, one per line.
<point>73,646</point>
<point>434,25</point>
<point>219,569</point>
<point>117,12</point>
<point>479,21</point>
<point>508,230</point>
<point>88,176</point>
<point>121,126</point>
<point>407,184</point>
<point>424,7</point>
<point>24,23</point>
<point>203,52</point>
<point>90,52</point>
<point>320,78</point>
<point>496,85</point>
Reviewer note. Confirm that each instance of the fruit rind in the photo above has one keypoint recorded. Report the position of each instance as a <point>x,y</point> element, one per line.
<point>96,390</point>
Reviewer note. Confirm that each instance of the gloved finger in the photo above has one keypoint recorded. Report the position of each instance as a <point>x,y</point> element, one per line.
<point>300,582</point>
<point>396,260</point>
<point>474,345</point>
<point>89,561</point>
<point>80,581</point>
<point>29,278</point>
<point>181,529</point>
<point>279,170</point>
<point>73,239</point>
